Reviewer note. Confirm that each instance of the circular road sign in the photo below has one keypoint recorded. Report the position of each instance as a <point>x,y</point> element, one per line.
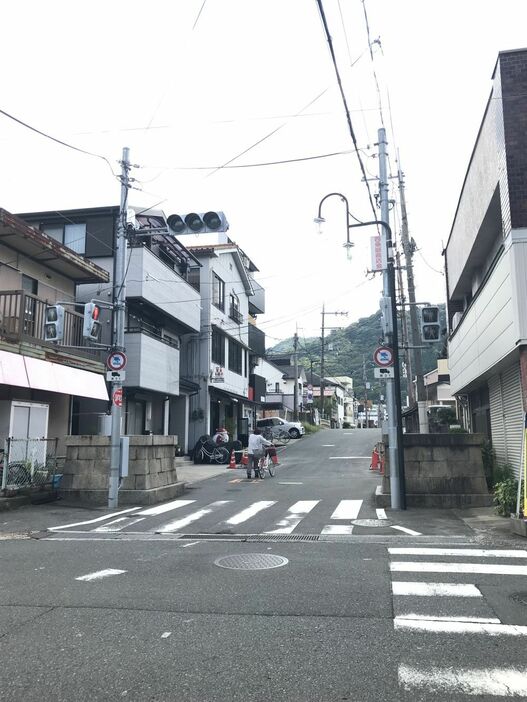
<point>117,397</point>
<point>383,356</point>
<point>116,361</point>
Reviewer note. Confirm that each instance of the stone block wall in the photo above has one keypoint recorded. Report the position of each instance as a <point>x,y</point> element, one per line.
<point>152,470</point>
<point>443,470</point>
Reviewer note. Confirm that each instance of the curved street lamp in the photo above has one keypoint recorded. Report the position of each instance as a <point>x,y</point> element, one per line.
<point>393,339</point>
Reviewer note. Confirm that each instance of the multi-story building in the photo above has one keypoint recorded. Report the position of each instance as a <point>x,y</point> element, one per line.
<point>163,309</point>
<point>44,383</point>
<point>486,264</point>
<point>280,395</point>
<point>222,360</point>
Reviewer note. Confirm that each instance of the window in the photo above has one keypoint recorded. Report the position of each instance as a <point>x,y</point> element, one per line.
<point>277,387</point>
<point>234,308</point>
<point>218,348</point>
<point>235,357</point>
<point>218,292</point>
<point>71,235</point>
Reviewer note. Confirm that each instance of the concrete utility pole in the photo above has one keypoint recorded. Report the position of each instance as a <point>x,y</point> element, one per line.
<point>391,399</point>
<point>324,313</point>
<point>404,340</point>
<point>365,379</point>
<point>415,340</point>
<point>295,391</point>
<point>119,309</point>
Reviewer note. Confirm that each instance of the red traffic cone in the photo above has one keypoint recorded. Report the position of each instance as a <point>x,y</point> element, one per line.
<point>232,462</point>
<point>374,460</point>
<point>245,459</point>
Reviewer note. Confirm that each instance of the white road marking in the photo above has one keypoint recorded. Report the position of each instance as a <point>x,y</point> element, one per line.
<point>166,634</point>
<point>434,618</point>
<point>93,521</point>
<point>289,483</point>
<point>122,522</point>
<point>250,511</point>
<point>294,516</point>
<point>100,574</point>
<point>328,445</point>
<point>192,543</point>
<point>337,529</point>
<point>406,530</point>
<point>381,514</point>
<point>345,458</point>
<point>445,627</point>
<point>193,517</point>
<point>166,507</point>
<point>488,682</point>
<point>347,509</point>
<point>417,589</point>
<point>489,568</point>
<point>479,552</point>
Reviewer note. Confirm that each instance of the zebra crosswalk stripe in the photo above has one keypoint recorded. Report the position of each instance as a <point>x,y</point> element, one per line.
<point>294,516</point>
<point>179,524</point>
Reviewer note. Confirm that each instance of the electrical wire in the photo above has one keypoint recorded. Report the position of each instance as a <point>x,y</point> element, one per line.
<point>267,136</point>
<point>346,109</point>
<point>58,141</point>
<point>373,60</point>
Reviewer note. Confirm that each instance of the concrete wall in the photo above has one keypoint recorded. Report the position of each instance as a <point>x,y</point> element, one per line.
<point>152,470</point>
<point>443,470</point>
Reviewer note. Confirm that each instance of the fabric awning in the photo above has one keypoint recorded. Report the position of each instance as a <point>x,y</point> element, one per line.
<point>36,374</point>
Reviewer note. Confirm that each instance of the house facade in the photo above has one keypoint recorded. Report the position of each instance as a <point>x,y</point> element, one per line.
<point>163,308</point>
<point>42,383</point>
<point>223,359</point>
<point>486,264</point>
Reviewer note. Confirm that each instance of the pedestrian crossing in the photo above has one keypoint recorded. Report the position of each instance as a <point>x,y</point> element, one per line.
<point>448,593</point>
<point>322,517</point>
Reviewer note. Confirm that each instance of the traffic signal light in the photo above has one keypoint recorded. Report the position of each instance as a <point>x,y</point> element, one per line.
<point>92,325</point>
<point>194,223</point>
<point>430,327</point>
<point>54,323</point>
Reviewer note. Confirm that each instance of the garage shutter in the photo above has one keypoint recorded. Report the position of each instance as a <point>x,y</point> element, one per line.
<point>497,426</point>
<point>506,416</point>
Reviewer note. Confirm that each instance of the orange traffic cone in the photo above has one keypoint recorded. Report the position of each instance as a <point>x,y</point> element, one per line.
<point>232,462</point>
<point>245,459</point>
<point>374,465</point>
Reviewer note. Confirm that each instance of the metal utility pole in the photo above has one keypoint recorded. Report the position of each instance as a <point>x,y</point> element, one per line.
<point>365,378</point>
<point>295,392</point>
<point>324,313</point>
<point>405,341</point>
<point>393,400</point>
<point>408,250</point>
<point>119,309</point>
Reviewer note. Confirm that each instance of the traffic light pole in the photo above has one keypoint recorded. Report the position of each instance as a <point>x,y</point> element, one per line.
<point>119,309</point>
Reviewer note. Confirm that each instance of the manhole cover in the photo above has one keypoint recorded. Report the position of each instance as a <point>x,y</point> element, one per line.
<point>372,522</point>
<point>251,561</point>
<point>520,597</point>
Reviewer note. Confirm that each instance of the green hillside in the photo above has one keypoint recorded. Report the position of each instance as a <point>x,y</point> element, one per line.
<point>347,348</point>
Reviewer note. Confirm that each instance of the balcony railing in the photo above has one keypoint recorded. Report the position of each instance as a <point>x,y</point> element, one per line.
<point>140,326</point>
<point>235,314</point>
<point>22,318</point>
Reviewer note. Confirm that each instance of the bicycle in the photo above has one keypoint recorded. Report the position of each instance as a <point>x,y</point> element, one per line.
<point>266,465</point>
<point>281,435</point>
<point>219,454</point>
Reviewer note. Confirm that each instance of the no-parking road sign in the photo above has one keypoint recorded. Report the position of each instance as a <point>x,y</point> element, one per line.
<point>383,356</point>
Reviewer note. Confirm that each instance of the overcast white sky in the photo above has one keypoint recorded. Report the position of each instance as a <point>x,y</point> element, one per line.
<point>185,95</point>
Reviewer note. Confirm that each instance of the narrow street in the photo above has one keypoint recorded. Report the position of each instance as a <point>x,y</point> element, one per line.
<point>243,590</point>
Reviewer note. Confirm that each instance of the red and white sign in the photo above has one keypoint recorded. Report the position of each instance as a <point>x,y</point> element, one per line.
<point>117,397</point>
<point>116,361</point>
<point>383,356</point>
<point>377,257</point>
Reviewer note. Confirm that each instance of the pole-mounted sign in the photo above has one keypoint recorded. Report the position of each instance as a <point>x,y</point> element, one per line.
<point>383,356</point>
<point>116,361</point>
<point>117,397</point>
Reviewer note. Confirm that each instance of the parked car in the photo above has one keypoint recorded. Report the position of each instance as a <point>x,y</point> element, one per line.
<point>277,424</point>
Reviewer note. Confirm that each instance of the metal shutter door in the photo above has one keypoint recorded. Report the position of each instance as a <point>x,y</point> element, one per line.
<point>513,414</point>
<point>497,426</point>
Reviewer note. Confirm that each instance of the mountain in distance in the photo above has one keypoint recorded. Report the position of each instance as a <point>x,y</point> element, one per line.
<point>350,349</point>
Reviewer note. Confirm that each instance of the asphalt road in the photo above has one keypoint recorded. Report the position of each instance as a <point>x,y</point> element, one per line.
<point>145,613</point>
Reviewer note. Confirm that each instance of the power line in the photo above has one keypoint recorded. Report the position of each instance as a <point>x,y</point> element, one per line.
<point>346,109</point>
<point>58,141</point>
<point>373,60</point>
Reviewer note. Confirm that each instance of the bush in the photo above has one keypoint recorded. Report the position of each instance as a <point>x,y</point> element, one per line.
<point>310,428</point>
<point>494,472</point>
<point>505,495</point>
<point>346,425</point>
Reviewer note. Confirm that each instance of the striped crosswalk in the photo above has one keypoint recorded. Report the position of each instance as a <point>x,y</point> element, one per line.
<point>318,516</point>
<point>433,595</point>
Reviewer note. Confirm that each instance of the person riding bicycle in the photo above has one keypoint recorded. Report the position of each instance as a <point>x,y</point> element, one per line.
<point>255,450</point>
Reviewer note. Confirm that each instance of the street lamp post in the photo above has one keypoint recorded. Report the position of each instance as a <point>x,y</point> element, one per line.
<point>397,476</point>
